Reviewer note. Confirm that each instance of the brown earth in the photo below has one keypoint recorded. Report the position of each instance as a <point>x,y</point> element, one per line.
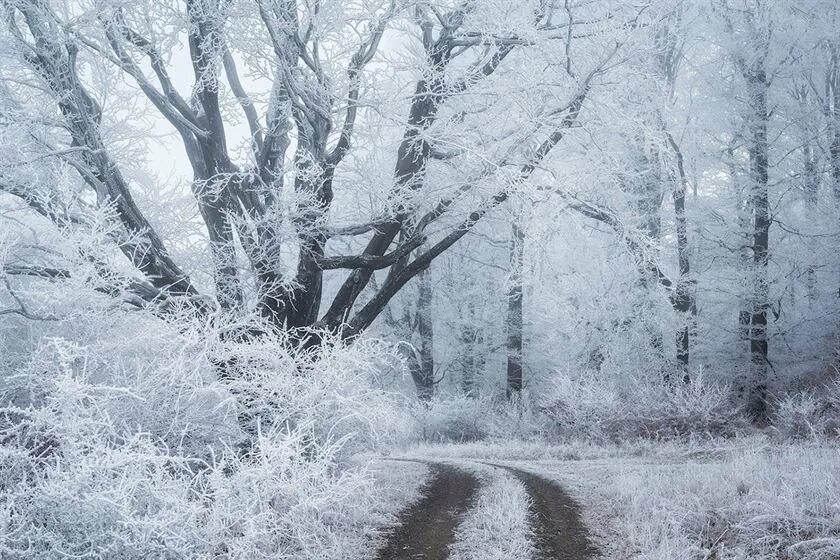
<point>427,528</point>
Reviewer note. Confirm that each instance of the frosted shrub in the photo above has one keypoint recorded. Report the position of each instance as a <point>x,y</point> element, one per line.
<point>130,446</point>
<point>580,406</point>
<point>452,418</point>
<point>136,500</point>
<point>456,418</point>
<point>809,414</point>
<point>339,391</point>
<point>590,406</point>
<point>293,501</point>
<point>171,395</point>
<point>518,418</point>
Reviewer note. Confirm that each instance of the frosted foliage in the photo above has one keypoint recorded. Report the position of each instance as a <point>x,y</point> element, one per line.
<point>584,405</point>
<point>110,451</point>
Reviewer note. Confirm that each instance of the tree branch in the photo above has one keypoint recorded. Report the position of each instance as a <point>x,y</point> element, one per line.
<point>399,277</point>
<point>371,261</point>
<point>364,55</point>
<point>243,99</point>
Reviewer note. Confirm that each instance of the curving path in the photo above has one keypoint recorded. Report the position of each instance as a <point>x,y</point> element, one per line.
<point>427,528</point>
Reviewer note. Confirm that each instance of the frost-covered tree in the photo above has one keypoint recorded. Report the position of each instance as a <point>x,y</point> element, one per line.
<point>309,84</point>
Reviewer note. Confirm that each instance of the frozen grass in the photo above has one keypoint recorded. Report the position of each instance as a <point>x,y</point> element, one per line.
<point>780,502</point>
<point>497,527</point>
<point>396,485</point>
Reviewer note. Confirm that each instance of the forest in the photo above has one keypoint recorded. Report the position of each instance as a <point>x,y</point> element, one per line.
<point>420,279</point>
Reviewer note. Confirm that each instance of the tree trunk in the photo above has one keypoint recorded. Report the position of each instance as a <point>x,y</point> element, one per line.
<point>514,312</point>
<point>472,356</point>
<point>758,153</point>
<point>812,190</point>
<point>834,116</point>
<point>425,329</point>
<point>684,301</point>
<point>744,216</point>
<point>645,188</point>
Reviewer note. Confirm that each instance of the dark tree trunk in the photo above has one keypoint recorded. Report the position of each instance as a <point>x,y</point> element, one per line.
<point>758,152</point>
<point>812,190</point>
<point>646,190</point>
<point>514,312</point>
<point>211,165</point>
<point>468,377</point>
<point>223,252</point>
<point>684,301</point>
<point>425,330</point>
<point>834,116</point>
<point>745,255</point>
<point>420,355</point>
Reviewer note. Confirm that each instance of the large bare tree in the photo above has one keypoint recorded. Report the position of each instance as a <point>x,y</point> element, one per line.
<point>307,101</point>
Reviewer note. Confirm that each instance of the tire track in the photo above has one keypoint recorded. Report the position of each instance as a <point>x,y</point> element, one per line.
<point>427,528</point>
<point>558,528</point>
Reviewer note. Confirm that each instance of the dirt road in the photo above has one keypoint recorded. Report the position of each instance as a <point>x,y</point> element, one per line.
<point>427,528</point>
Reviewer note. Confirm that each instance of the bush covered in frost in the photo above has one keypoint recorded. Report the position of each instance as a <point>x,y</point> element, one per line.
<point>456,418</point>
<point>118,439</point>
<point>591,406</point>
<point>810,413</point>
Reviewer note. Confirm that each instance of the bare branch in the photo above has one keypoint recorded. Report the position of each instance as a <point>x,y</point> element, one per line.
<point>54,60</point>
<point>364,55</point>
<point>243,99</point>
<point>371,261</point>
<point>358,229</point>
<point>401,275</point>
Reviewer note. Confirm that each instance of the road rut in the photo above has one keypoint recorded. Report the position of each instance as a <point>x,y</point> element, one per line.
<point>427,528</point>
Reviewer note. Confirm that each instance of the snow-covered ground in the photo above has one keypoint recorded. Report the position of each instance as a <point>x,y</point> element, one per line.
<point>739,499</point>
